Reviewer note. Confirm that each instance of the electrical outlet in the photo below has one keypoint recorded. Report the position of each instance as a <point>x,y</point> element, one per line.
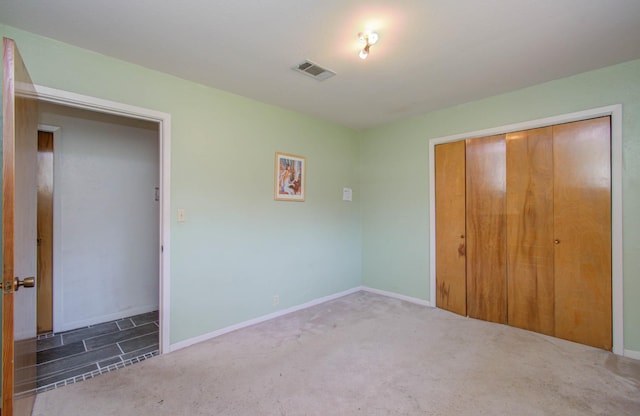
<point>276,300</point>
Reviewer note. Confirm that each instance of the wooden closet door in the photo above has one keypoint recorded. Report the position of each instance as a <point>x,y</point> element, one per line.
<point>530,273</point>
<point>486,228</point>
<point>451,279</point>
<point>582,224</point>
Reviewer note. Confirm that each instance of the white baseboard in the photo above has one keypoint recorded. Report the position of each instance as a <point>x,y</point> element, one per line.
<point>397,296</point>
<point>626,353</point>
<point>68,326</point>
<point>191,341</point>
<point>210,335</point>
<point>632,354</point>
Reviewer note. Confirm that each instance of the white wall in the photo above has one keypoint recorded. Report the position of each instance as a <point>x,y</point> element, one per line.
<point>105,216</point>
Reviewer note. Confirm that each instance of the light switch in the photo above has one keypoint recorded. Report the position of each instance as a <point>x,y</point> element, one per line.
<point>181,215</point>
<point>347,194</point>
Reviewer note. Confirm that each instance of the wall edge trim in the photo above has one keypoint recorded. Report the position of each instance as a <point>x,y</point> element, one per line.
<point>107,318</point>
<point>394,295</point>
<point>205,337</point>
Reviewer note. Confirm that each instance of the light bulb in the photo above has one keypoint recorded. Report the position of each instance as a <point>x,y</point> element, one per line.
<point>368,39</point>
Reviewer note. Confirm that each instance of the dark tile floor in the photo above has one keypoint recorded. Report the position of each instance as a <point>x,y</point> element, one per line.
<point>72,356</point>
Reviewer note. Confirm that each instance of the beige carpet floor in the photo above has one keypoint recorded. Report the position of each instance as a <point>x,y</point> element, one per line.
<point>365,354</point>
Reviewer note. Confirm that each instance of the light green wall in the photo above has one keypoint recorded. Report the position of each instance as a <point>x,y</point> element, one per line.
<point>395,177</point>
<point>238,246</point>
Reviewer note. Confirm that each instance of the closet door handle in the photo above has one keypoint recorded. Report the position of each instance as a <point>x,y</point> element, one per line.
<point>556,241</point>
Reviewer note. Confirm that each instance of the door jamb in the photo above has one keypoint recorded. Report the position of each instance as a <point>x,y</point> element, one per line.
<point>617,292</point>
<point>99,105</point>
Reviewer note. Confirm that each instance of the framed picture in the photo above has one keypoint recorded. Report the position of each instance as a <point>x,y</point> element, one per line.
<point>290,177</point>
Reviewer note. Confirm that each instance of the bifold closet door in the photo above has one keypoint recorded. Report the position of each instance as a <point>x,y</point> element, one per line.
<point>451,280</point>
<point>486,228</point>
<point>530,274</point>
<point>582,227</point>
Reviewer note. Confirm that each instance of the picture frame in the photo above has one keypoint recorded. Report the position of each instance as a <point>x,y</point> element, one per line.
<point>290,176</point>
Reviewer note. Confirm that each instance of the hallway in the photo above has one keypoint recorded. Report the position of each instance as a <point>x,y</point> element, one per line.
<point>72,356</point>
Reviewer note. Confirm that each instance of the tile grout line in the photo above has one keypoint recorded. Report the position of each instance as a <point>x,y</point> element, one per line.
<point>121,361</point>
<point>86,349</point>
<point>97,363</point>
<point>92,374</point>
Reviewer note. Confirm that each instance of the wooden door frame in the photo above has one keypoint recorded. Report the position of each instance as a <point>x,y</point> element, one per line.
<point>617,278</point>
<point>99,105</point>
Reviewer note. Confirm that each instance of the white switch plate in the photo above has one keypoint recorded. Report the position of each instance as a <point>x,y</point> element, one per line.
<point>347,194</point>
<point>181,215</point>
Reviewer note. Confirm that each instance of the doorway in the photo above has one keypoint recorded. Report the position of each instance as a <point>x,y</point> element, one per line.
<point>105,216</point>
<point>163,121</point>
<point>20,111</point>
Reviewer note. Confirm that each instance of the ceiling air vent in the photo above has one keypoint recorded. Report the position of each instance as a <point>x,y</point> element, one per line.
<point>314,70</point>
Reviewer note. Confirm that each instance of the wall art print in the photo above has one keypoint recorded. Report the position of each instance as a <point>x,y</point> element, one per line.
<point>290,177</point>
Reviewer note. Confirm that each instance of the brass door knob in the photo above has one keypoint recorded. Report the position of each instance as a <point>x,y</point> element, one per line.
<point>26,282</point>
<point>17,283</point>
<point>556,241</point>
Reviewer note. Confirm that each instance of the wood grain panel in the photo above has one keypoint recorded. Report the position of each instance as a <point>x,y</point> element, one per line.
<point>19,144</point>
<point>45,232</point>
<point>451,286</point>
<point>582,224</point>
<point>530,230</point>
<point>8,161</point>
<point>486,228</point>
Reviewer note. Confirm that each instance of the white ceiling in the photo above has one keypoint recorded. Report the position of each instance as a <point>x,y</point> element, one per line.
<point>431,54</point>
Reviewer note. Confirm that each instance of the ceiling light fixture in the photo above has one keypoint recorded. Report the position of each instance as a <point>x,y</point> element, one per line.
<point>368,39</point>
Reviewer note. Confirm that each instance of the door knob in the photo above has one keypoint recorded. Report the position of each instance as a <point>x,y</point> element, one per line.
<point>26,282</point>
<point>17,283</point>
<point>556,241</point>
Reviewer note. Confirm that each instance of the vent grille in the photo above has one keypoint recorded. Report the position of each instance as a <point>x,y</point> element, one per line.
<point>314,70</point>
